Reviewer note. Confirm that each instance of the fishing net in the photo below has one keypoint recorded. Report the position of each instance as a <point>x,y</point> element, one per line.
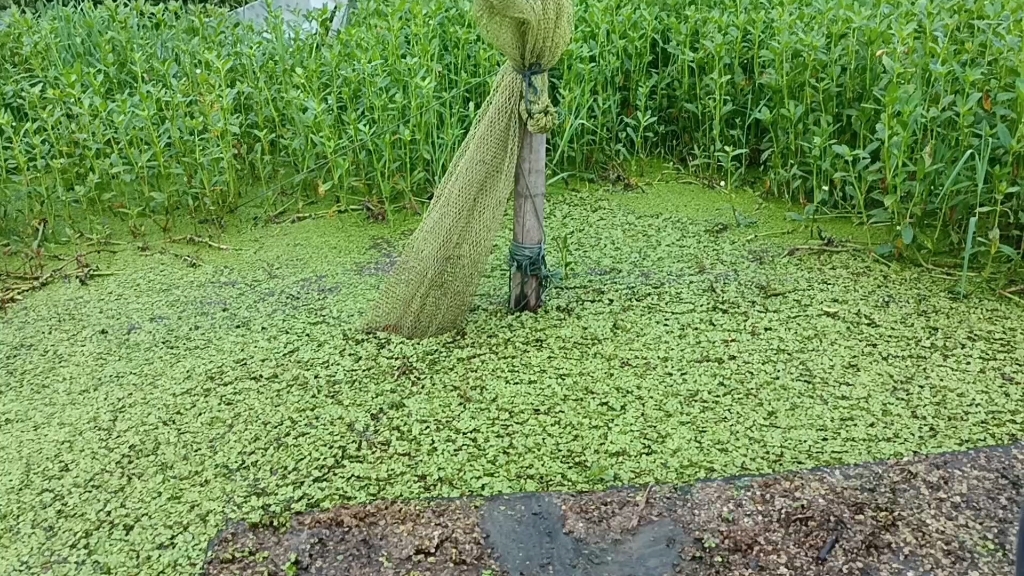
<point>437,275</point>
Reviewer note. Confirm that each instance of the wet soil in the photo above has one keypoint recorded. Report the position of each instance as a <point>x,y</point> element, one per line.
<point>948,514</point>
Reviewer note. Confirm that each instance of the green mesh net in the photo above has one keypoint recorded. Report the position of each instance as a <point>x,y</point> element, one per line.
<point>437,275</point>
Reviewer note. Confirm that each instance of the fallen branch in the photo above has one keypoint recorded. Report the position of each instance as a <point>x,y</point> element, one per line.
<point>762,234</point>
<point>1010,295</point>
<point>273,217</point>
<point>312,215</point>
<point>955,270</point>
<point>882,260</point>
<point>14,292</point>
<point>187,259</point>
<point>795,250</point>
<point>18,275</point>
<point>101,241</point>
<point>190,239</point>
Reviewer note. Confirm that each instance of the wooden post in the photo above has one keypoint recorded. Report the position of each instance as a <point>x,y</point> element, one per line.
<point>531,185</point>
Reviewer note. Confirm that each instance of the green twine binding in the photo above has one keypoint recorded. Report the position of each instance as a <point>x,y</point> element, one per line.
<point>538,111</point>
<point>531,92</point>
<point>529,260</point>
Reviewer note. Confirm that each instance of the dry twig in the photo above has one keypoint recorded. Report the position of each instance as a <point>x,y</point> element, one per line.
<point>299,217</point>
<point>640,508</point>
<point>763,234</point>
<point>1010,295</point>
<point>190,239</point>
<point>882,260</point>
<point>14,291</point>
<point>797,250</point>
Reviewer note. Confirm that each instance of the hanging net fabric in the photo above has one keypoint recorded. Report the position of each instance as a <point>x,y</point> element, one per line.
<point>438,273</point>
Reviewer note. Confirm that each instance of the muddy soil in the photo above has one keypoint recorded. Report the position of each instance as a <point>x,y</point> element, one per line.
<point>949,514</point>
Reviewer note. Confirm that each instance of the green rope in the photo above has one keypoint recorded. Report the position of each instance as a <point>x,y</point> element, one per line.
<point>530,260</point>
<point>536,108</point>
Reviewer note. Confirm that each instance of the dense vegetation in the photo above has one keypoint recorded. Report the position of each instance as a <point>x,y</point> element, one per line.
<point>40,5</point>
<point>899,112</point>
<point>146,411</point>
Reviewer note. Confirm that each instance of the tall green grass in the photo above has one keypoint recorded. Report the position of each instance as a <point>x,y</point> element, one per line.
<point>863,106</point>
<point>906,113</point>
<point>155,111</point>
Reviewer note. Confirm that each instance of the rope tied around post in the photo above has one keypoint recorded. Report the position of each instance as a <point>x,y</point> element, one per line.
<point>531,260</point>
<point>537,110</point>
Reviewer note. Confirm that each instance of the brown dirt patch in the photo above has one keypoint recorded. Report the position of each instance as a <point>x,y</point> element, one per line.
<point>951,514</point>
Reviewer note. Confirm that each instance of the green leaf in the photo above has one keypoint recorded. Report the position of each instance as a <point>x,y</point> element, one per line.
<point>907,233</point>
<point>1009,251</point>
<point>842,150</point>
<point>1004,135</point>
<point>993,235</point>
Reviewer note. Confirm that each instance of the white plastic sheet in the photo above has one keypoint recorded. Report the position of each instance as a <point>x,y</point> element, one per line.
<point>293,12</point>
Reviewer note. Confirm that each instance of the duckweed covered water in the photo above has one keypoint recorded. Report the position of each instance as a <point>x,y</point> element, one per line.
<point>145,411</point>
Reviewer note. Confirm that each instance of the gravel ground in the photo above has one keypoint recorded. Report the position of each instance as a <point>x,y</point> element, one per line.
<point>949,514</point>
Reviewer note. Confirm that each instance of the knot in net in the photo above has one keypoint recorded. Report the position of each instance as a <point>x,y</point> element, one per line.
<point>536,109</point>
<point>438,272</point>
